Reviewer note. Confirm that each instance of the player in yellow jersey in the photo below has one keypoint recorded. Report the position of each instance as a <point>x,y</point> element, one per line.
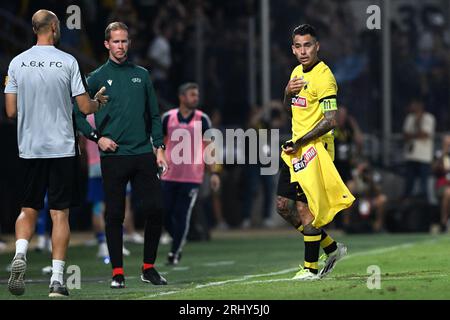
<point>310,96</point>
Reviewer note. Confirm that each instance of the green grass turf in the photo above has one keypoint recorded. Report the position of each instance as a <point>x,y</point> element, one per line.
<point>259,266</point>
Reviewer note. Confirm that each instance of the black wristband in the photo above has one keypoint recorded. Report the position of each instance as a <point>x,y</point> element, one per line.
<point>163,146</point>
<point>94,136</point>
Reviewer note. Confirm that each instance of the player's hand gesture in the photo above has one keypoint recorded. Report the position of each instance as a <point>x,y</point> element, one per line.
<point>294,86</point>
<point>100,97</point>
<point>107,145</point>
<point>290,147</point>
<point>161,161</point>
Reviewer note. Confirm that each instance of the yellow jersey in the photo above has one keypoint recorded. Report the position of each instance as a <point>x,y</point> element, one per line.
<point>313,168</point>
<point>309,105</point>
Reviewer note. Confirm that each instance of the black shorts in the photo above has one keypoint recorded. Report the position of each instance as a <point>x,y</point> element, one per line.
<point>286,189</point>
<point>58,177</point>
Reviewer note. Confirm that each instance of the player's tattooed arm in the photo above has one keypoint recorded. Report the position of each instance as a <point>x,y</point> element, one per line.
<point>328,123</point>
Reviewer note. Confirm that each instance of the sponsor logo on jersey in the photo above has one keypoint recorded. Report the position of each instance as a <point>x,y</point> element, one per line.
<point>109,82</point>
<point>307,157</point>
<point>299,102</point>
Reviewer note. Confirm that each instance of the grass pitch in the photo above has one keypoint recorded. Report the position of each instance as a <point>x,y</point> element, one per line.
<point>259,266</point>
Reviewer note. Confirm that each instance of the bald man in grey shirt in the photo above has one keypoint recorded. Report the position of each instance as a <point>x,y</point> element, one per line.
<point>39,89</point>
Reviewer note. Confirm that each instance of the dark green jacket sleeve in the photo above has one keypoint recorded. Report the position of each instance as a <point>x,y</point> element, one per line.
<point>155,118</point>
<point>80,118</point>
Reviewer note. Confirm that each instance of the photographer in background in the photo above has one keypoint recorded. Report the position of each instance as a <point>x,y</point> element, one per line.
<point>371,201</point>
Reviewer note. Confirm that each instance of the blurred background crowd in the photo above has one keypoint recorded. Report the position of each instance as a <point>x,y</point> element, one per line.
<point>218,45</point>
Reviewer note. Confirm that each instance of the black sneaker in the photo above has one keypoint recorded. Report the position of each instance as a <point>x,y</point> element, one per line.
<point>150,275</point>
<point>173,259</point>
<point>16,282</point>
<point>58,290</point>
<point>118,282</point>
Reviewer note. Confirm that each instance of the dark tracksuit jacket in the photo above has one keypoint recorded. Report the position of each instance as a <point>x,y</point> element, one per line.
<point>131,115</point>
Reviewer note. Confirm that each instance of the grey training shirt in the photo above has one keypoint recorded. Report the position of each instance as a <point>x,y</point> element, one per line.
<point>45,79</point>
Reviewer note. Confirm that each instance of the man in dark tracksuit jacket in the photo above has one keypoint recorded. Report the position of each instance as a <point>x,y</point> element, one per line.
<point>123,129</point>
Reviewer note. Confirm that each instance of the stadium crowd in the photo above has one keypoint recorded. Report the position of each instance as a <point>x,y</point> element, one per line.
<point>165,39</point>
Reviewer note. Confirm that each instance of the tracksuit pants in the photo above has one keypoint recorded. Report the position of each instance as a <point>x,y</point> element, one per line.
<point>179,201</point>
<point>141,171</point>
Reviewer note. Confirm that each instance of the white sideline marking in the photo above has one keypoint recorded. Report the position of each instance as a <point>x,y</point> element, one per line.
<point>159,294</point>
<point>219,263</point>
<point>242,279</point>
<point>180,268</point>
<point>218,283</point>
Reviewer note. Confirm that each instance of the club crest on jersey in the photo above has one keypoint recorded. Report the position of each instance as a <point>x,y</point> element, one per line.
<point>136,80</point>
<point>307,157</point>
<point>299,102</point>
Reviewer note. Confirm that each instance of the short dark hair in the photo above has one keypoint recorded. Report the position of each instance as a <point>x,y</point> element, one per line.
<point>303,30</point>
<point>186,87</point>
<point>113,26</point>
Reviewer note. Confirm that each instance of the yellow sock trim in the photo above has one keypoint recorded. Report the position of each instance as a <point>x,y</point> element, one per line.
<point>300,228</point>
<point>312,238</point>
<point>312,265</point>
<point>326,242</point>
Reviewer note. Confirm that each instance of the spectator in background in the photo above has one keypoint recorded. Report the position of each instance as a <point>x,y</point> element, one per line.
<point>441,168</point>
<point>372,201</point>
<point>159,54</point>
<point>253,178</point>
<point>418,130</point>
<point>348,140</point>
<point>216,200</point>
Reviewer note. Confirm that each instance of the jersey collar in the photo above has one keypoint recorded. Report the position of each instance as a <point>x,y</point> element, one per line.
<point>185,120</point>
<point>117,65</point>
<point>312,67</point>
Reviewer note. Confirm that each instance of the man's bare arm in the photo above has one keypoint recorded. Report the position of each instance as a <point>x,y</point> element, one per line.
<point>328,123</point>
<point>87,105</point>
<point>11,104</point>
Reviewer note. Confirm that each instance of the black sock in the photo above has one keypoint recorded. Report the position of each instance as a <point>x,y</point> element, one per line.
<point>312,247</point>
<point>327,243</point>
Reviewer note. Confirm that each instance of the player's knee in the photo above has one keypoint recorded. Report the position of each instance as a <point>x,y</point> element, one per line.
<point>282,206</point>
<point>59,218</point>
<point>304,213</point>
<point>302,207</point>
<point>309,229</point>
